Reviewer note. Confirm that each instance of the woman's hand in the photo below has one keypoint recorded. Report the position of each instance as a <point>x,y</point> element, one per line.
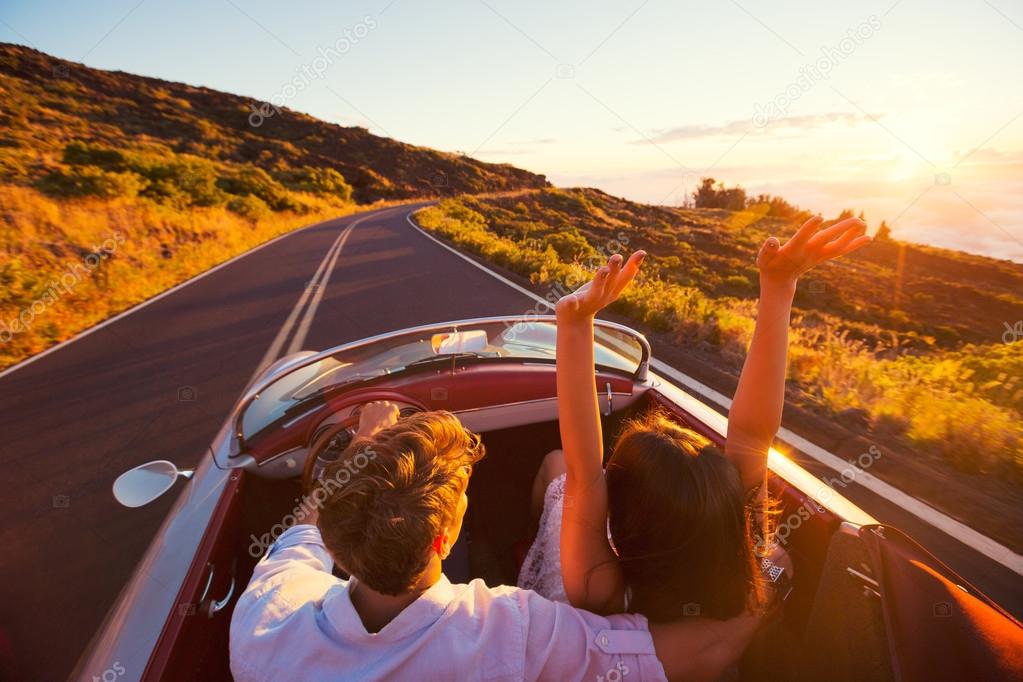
<point>589,568</point>
<point>808,247</point>
<point>605,288</point>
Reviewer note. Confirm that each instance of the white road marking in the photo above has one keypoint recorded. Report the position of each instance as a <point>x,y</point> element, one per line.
<point>154,299</point>
<point>310,313</point>
<point>317,285</point>
<point>959,531</point>
<point>275,347</point>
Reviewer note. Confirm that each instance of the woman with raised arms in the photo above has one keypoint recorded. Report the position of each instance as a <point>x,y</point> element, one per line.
<point>669,528</point>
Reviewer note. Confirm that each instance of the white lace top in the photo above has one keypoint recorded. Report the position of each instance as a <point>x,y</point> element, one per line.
<point>541,571</point>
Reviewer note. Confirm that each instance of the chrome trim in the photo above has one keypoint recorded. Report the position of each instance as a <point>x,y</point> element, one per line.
<point>216,605</point>
<point>849,528</point>
<point>862,576</point>
<point>270,460</point>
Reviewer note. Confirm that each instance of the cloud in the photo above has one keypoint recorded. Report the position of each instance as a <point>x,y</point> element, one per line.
<point>809,122</point>
<point>988,156</point>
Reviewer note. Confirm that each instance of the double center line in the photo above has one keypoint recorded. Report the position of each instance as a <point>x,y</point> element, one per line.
<point>310,300</point>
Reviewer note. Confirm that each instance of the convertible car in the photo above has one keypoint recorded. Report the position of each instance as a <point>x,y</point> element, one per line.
<point>866,603</point>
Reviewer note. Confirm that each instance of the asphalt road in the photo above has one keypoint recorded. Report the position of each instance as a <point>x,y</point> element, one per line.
<point>157,384</point>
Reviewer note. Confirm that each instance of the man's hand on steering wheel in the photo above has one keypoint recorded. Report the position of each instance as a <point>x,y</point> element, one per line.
<point>375,417</point>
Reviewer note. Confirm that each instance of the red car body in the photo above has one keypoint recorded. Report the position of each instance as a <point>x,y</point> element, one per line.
<point>867,603</point>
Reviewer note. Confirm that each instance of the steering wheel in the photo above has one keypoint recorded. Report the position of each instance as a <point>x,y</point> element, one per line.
<point>326,448</point>
<point>328,445</point>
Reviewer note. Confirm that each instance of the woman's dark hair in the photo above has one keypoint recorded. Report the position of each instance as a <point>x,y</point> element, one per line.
<point>679,523</point>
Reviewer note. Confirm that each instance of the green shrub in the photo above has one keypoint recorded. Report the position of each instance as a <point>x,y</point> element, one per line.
<point>251,181</point>
<point>182,181</point>
<point>249,206</point>
<point>318,181</point>
<point>78,153</point>
<point>737,285</point>
<point>570,245</point>
<point>90,181</point>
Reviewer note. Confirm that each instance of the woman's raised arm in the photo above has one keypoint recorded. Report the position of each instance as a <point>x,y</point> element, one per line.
<point>756,410</point>
<point>593,579</point>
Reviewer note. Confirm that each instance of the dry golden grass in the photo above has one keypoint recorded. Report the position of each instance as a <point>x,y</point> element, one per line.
<point>66,265</point>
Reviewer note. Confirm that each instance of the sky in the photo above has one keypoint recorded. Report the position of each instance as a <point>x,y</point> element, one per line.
<point>909,110</point>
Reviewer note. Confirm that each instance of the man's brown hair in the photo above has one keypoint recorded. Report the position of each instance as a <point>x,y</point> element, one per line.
<point>390,496</point>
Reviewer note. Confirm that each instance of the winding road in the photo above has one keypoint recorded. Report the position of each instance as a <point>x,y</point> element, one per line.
<point>157,382</point>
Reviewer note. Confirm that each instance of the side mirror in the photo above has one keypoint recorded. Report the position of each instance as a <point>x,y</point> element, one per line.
<point>146,482</point>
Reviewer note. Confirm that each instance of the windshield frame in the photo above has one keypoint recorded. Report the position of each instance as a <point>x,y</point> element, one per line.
<point>639,375</point>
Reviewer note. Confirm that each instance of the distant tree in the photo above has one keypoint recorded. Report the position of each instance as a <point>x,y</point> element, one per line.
<point>711,194</point>
<point>884,232</point>
<point>705,195</point>
<point>778,207</point>
<point>734,198</point>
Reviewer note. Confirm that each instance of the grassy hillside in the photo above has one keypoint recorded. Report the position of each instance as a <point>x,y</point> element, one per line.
<point>901,340</point>
<point>178,137</point>
<point>115,187</point>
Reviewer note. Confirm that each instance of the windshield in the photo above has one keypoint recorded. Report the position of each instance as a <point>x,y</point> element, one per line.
<point>300,390</point>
